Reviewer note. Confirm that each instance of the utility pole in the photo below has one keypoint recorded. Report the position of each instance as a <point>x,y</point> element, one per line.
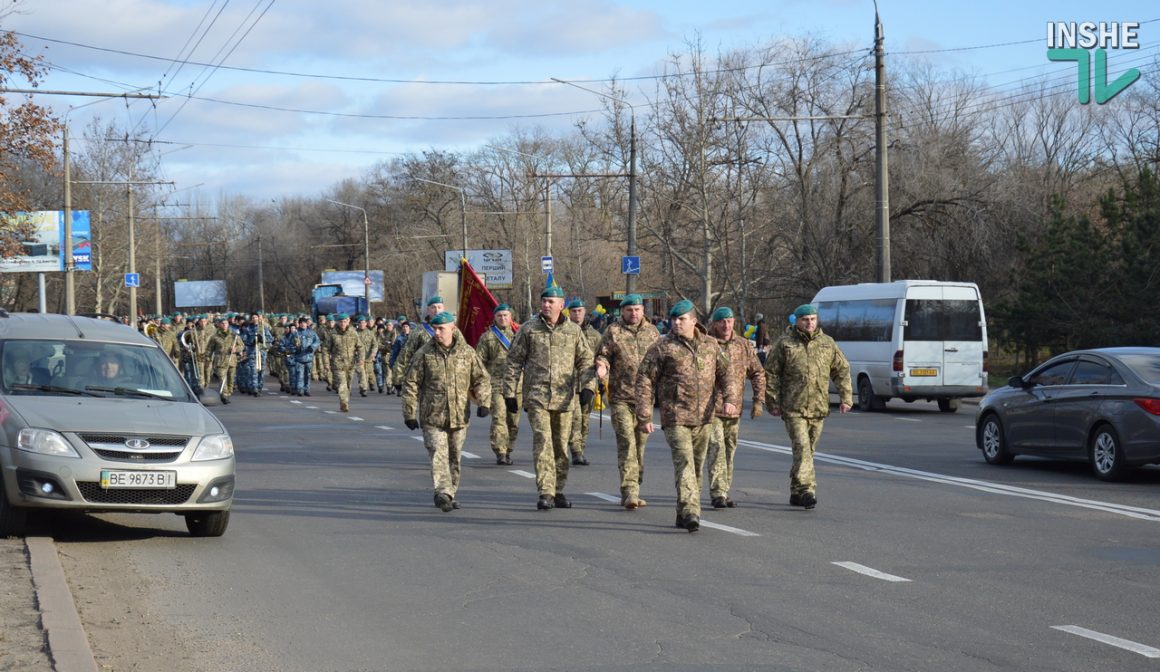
<point>882,181</point>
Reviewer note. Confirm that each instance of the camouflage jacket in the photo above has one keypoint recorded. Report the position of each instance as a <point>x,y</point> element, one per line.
<point>687,376</point>
<point>494,357</point>
<point>555,361</point>
<point>223,347</point>
<point>418,337</point>
<point>622,348</point>
<point>798,371</point>
<point>743,364</point>
<point>440,383</point>
<point>168,342</point>
<point>370,342</point>
<point>201,337</point>
<point>344,349</point>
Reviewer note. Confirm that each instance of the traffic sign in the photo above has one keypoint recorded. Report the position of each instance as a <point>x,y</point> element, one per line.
<point>367,280</point>
<point>630,265</point>
<point>132,279</point>
<point>546,264</point>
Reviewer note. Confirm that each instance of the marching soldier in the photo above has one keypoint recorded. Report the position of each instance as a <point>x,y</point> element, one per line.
<point>397,349</point>
<point>222,351</point>
<point>798,371</point>
<point>322,364</point>
<point>202,333</point>
<point>554,359</point>
<point>168,341</point>
<point>618,356</point>
<point>346,356</point>
<point>386,336</point>
<point>289,349</point>
<point>444,375</point>
<point>417,338</point>
<point>743,364</point>
<point>685,372</point>
<point>369,340</point>
<point>581,415</point>
<point>304,356</point>
<point>278,364</point>
<point>493,349</point>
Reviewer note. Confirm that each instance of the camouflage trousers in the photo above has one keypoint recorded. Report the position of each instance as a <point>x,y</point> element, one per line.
<point>366,375</point>
<point>629,449</point>
<point>207,371</point>
<point>688,445</point>
<point>322,370</point>
<point>340,380</point>
<point>226,375</point>
<point>803,435</point>
<point>550,430</point>
<point>445,447</point>
<point>722,448</point>
<point>505,427</point>
<point>581,416</point>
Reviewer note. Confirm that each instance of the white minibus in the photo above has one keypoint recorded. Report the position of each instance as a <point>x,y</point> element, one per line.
<point>909,339</point>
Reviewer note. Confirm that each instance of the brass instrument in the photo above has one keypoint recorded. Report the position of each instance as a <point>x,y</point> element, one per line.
<point>152,330</point>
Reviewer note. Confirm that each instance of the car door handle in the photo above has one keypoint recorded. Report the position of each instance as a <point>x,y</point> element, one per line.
<point>951,350</point>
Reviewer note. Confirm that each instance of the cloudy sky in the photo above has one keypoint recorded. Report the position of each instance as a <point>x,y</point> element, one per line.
<point>271,98</point>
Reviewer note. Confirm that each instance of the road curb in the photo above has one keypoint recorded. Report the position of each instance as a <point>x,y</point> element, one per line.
<point>67,642</point>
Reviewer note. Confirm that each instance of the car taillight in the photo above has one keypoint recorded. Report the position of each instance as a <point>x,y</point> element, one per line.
<point>1149,404</point>
<point>898,361</point>
<point>986,363</point>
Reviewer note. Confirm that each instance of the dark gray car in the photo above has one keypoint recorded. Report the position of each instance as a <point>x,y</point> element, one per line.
<point>1099,405</point>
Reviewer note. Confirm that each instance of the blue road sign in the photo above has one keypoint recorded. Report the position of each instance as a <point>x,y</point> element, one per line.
<point>630,265</point>
<point>546,264</point>
<point>132,279</point>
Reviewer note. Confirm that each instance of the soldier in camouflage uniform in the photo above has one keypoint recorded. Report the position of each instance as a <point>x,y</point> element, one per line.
<point>618,356</point>
<point>324,331</point>
<point>346,356</point>
<point>493,349</point>
<point>743,364</point>
<point>686,372</point>
<point>444,374</point>
<point>222,350</point>
<point>202,332</point>
<point>369,340</point>
<point>278,363</point>
<point>417,338</point>
<point>554,359</point>
<point>581,415</point>
<point>167,339</point>
<point>798,371</point>
<point>385,335</point>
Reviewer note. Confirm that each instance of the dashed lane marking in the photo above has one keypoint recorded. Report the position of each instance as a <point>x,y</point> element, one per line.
<point>384,427</point>
<point>295,401</point>
<point>354,418</point>
<point>1118,642</point>
<point>470,456</point>
<point>729,528</point>
<point>601,495</point>
<point>871,572</point>
<point>417,438</point>
<point>907,419</point>
<point>313,408</point>
<point>521,472</point>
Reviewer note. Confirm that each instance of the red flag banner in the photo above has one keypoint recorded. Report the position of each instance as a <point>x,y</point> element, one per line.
<point>476,304</point>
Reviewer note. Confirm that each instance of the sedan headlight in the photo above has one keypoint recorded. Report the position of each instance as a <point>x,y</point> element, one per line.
<point>214,447</point>
<point>45,442</point>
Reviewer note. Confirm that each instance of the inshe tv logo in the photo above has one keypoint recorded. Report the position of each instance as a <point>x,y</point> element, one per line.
<point>1071,41</point>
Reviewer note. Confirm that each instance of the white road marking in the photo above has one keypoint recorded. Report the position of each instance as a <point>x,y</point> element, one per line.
<point>1127,644</point>
<point>330,412</point>
<point>313,408</point>
<point>355,418</point>
<point>384,427</point>
<point>470,456</point>
<point>908,419</point>
<point>874,573</point>
<point>726,528</point>
<point>601,495</point>
<point>295,401</point>
<point>417,438</point>
<point>968,426</point>
<point>983,486</point>
<point>521,472</point>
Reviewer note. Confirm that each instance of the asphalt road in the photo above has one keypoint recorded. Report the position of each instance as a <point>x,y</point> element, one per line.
<point>919,557</point>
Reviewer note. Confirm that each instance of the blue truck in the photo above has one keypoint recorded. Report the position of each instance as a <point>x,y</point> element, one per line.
<point>328,298</point>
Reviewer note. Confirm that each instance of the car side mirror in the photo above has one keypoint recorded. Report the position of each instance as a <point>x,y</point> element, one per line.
<point>1016,381</point>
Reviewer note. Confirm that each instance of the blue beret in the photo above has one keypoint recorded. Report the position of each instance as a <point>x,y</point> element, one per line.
<point>552,292</point>
<point>631,300</point>
<point>442,318</point>
<point>681,307</point>
<point>722,313</point>
<point>576,303</point>
<point>166,320</point>
<point>434,300</point>
<point>803,310</point>
<point>402,318</point>
<point>500,308</point>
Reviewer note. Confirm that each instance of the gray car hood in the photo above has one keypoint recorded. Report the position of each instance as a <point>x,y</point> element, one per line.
<point>119,416</point>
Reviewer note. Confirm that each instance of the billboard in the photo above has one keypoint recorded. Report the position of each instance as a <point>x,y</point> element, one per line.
<point>200,293</point>
<point>494,266</point>
<point>44,243</point>
<point>352,283</point>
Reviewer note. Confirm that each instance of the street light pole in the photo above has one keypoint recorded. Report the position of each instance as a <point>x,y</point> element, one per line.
<point>630,279</point>
<point>366,249</point>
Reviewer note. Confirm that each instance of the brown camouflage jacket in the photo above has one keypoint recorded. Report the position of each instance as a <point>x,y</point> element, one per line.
<point>621,349</point>
<point>494,357</point>
<point>440,383</point>
<point>345,349</point>
<point>223,347</point>
<point>555,361</point>
<point>370,343</point>
<point>417,338</point>
<point>687,376</point>
<point>798,371</point>
<point>743,364</point>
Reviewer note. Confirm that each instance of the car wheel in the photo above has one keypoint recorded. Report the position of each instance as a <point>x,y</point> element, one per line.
<point>13,520</point>
<point>1107,455</point>
<point>948,405</point>
<point>990,438</point>
<point>207,523</point>
<point>867,400</point>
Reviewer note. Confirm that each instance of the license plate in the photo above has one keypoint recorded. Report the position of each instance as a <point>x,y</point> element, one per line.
<point>924,372</point>
<point>160,480</point>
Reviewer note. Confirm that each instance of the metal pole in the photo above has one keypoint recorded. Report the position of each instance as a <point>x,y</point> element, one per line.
<point>261,282</point>
<point>70,304</point>
<point>548,214</point>
<point>463,218</point>
<point>366,259</point>
<point>630,279</point>
<point>42,302</point>
<point>157,273</point>
<point>132,259</point>
<point>881,166</point>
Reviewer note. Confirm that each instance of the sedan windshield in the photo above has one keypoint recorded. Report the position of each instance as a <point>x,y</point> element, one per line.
<point>1145,366</point>
<point>72,368</point>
